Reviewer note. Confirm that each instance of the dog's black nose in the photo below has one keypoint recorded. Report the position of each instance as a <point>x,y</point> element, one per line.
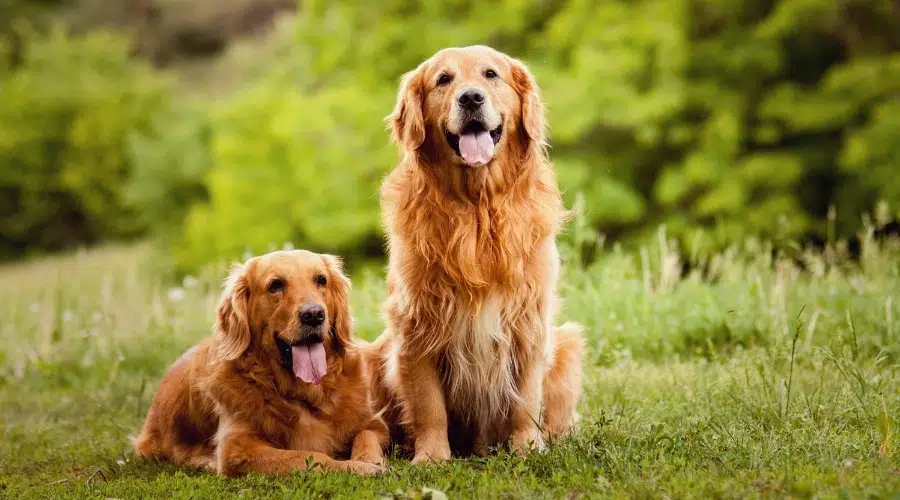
<point>471,99</point>
<point>312,315</point>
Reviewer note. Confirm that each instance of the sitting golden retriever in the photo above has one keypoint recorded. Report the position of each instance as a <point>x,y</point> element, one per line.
<point>279,386</point>
<point>470,357</point>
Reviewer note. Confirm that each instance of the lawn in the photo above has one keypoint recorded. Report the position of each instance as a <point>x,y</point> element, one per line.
<point>751,376</point>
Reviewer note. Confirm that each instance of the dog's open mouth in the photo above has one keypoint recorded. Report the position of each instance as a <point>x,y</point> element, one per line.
<point>305,358</point>
<point>475,144</point>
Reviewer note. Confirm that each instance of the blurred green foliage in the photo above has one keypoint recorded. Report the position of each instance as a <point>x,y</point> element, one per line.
<point>67,109</point>
<point>719,118</point>
<point>172,158</point>
<point>729,117</point>
<point>289,166</point>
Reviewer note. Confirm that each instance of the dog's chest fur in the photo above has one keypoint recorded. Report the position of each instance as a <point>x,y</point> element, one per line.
<point>329,423</point>
<point>292,415</point>
<point>478,365</point>
<point>478,345</point>
<point>326,433</point>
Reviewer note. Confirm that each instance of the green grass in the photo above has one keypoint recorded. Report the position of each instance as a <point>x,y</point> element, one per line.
<point>752,378</point>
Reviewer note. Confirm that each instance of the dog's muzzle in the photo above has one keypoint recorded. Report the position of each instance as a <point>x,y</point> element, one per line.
<point>475,127</point>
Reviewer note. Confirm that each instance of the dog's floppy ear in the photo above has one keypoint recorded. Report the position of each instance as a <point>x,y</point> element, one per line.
<point>406,122</point>
<point>339,302</point>
<point>532,107</point>
<point>232,327</point>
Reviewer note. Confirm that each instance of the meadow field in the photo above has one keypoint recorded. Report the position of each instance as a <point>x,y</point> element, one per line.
<point>747,375</point>
<point>165,138</point>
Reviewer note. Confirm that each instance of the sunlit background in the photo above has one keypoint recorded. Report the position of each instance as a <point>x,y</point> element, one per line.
<point>222,127</point>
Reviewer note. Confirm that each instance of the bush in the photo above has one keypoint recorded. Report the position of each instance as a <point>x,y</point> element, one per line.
<point>731,118</point>
<point>170,162</point>
<point>290,167</point>
<point>65,115</point>
<point>20,16</point>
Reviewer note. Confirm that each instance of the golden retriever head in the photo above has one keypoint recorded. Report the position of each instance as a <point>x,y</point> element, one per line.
<point>288,305</point>
<point>469,106</point>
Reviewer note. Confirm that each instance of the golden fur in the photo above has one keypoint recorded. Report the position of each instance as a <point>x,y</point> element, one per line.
<point>230,404</point>
<point>469,357</point>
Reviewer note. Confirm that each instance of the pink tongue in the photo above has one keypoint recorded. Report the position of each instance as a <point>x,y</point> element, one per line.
<point>309,362</point>
<point>476,149</point>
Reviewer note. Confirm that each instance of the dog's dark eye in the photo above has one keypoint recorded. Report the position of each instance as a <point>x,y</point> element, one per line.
<point>276,285</point>
<point>444,79</point>
<point>490,74</point>
<point>321,280</point>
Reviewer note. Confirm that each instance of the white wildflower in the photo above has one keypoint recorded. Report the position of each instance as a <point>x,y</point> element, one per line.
<point>68,315</point>
<point>189,281</point>
<point>176,294</point>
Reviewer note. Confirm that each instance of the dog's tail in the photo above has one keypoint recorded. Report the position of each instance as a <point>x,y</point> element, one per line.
<point>562,383</point>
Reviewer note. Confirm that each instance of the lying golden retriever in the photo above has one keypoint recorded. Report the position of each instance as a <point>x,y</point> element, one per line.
<point>470,357</point>
<point>279,386</point>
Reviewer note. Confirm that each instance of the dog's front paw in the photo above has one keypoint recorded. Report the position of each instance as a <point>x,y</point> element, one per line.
<point>360,468</point>
<point>429,458</point>
<point>527,440</point>
<point>370,459</point>
<point>431,452</point>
